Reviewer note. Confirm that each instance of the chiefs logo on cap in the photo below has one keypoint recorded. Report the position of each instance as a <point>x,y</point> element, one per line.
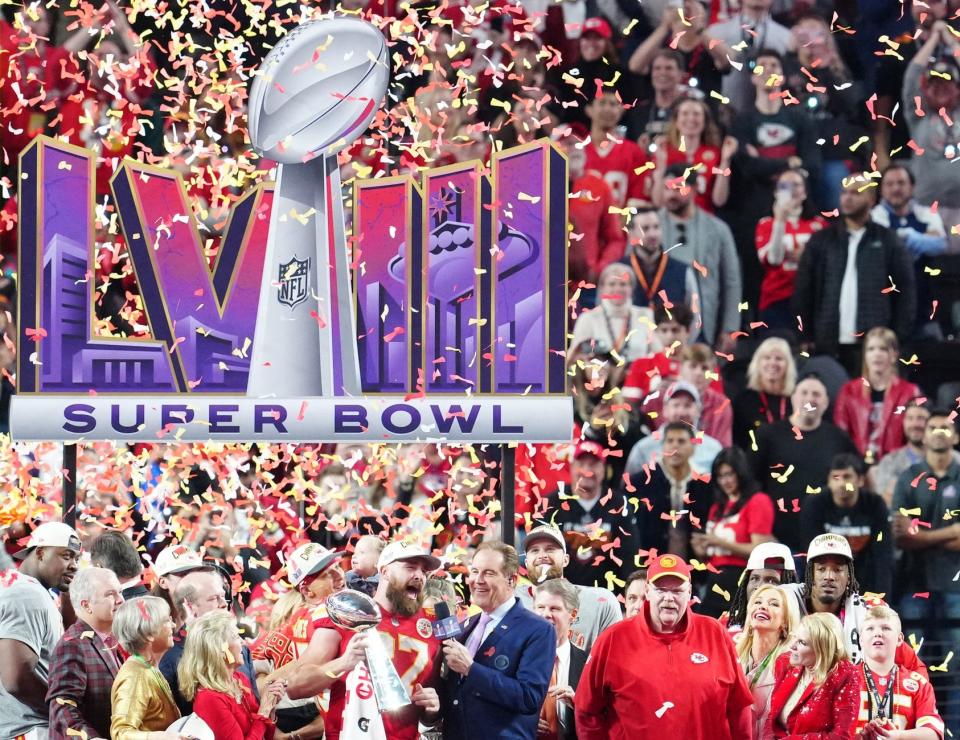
<point>668,561</point>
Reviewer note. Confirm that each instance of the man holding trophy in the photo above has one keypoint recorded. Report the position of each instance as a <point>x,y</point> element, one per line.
<point>377,656</point>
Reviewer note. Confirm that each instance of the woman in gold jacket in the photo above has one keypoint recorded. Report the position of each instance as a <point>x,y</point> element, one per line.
<point>143,705</point>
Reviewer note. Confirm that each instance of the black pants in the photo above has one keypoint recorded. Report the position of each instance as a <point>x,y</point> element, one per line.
<point>293,718</point>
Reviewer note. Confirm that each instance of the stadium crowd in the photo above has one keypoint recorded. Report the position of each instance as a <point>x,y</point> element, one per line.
<point>753,533</point>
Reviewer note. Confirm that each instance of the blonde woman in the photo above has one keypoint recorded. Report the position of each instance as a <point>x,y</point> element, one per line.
<point>771,377</point>
<point>817,688</point>
<point>220,693</point>
<point>141,700</point>
<point>772,616</point>
<point>868,408</point>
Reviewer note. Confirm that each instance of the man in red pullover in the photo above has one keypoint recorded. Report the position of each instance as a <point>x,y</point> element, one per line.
<point>666,673</point>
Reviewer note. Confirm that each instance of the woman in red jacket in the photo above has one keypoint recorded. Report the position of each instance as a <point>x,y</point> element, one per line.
<point>221,695</point>
<point>817,690</point>
<point>866,407</point>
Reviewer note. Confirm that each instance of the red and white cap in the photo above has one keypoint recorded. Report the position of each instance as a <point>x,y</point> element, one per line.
<point>51,534</point>
<point>598,26</point>
<point>668,565</point>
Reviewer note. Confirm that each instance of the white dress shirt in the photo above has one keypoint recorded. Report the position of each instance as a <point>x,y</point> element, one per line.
<point>849,291</point>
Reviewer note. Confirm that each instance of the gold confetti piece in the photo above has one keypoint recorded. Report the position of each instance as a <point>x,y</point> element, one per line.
<point>811,489</point>
<point>717,590</point>
<point>722,98</point>
<point>932,271</point>
<point>529,198</point>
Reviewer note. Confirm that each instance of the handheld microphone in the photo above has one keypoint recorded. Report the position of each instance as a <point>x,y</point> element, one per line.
<point>445,627</point>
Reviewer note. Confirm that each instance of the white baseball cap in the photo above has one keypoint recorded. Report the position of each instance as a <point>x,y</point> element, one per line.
<point>763,553</point>
<point>829,544</point>
<point>407,551</point>
<point>51,534</point>
<point>309,559</point>
<point>177,559</point>
<point>544,532</point>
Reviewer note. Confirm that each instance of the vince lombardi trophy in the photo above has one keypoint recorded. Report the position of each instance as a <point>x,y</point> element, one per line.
<point>314,94</point>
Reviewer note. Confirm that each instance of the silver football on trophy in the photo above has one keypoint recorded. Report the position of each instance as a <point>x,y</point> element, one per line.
<point>353,610</point>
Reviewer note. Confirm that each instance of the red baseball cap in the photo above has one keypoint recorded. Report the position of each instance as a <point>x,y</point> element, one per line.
<point>598,26</point>
<point>668,565</point>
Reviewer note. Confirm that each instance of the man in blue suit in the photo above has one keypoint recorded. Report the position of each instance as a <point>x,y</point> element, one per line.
<point>500,668</point>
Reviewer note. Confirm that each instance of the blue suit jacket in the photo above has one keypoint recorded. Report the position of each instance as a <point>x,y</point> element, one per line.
<point>502,694</point>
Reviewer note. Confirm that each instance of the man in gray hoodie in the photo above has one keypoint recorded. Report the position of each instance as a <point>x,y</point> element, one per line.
<point>693,236</point>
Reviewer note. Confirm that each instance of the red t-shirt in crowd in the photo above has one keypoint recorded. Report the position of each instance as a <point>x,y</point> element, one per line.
<point>756,517</point>
<point>415,654</point>
<point>649,373</point>
<point>618,164</point>
<point>914,704</point>
<point>234,720</point>
<point>708,157</point>
<point>778,280</point>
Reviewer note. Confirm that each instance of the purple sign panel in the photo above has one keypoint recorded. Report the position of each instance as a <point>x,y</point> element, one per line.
<point>387,217</point>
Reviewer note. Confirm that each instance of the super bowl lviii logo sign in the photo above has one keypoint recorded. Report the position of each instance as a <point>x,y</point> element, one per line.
<point>442,318</point>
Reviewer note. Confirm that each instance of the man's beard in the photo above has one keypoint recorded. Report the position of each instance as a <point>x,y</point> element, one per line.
<point>402,604</point>
<point>553,571</point>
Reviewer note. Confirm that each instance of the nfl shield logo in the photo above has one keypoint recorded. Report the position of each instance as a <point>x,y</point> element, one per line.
<point>294,282</point>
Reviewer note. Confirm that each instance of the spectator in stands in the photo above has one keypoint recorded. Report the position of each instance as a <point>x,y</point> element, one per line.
<point>867,407</point>
<point>925,493</point>
<point>197,594</point>
<point>707,241</point>
<point>894,697</point>
<point>677,500</point>
<point>681,404</point>
<point>771,620</point>
<point>673,331</point>
<point>935,80</point>
<point>31,626</point>
<point>650,118</point>
<point>893,464</point>
<point>789,463</point>
<point>363,574</point>
<point>817,660</point>
<point>844,277</point>
<point>824,87</point>
<point>659,277</point>
<point>616,325</point>
<point>921,229</point>
<point>780,240</point>
<point>85,662</point>
<point>738,40</point>
<point>622,692</point>
<point>557,600</point>
<point>616,159</point>
<point>115,551</point>
<point>851,510</point>
<point>221,694</point>
<point>597,526</point>
<point>682,31</point>
<point>546,559</point>
<point>770,564</point>
<point>740,518</point>
<point>698,367</point>
<point>599,238</point>
<point>597,373</point>
<point>141,698</point>
<point>771,379</point>
<point>634,593</point>
<point>692,140</point>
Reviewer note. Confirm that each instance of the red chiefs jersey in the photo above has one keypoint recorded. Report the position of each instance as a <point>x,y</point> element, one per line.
<point>914,704</point>
<point>704,159</point>
<point>618,164</point>
<point>778,280</point>
<point>646,374</point>
<point>288,642</point>
<point>415,654</point>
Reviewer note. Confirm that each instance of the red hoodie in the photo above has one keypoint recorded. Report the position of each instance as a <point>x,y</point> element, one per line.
<point>687,684</point>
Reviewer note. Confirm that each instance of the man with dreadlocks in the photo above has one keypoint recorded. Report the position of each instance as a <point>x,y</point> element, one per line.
<point>830,585</point>
<point>770,563</point>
